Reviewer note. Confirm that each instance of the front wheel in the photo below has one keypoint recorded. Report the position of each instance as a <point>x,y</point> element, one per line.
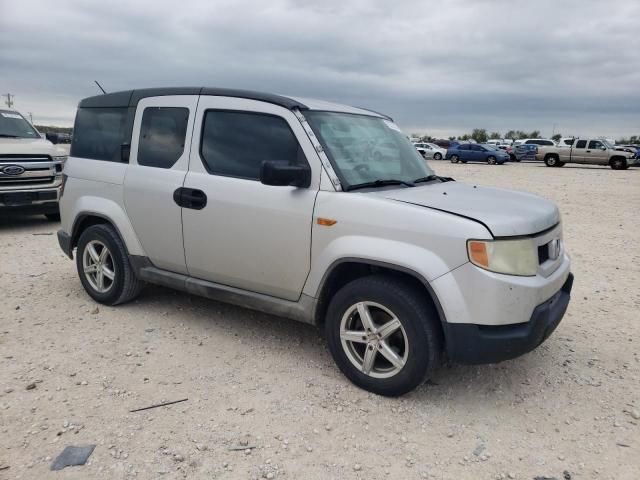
<point>619,164</point>
<point>491,160</point>
<point>455,158</point>
<point>103,266</point>
<point>383,335</point>
<point>437,156</point>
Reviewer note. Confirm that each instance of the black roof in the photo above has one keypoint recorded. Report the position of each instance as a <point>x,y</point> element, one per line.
<point>130,98</point>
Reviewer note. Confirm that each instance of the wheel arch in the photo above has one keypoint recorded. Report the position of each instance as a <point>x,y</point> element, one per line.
<point>87,219</point>
<point>347,269</point>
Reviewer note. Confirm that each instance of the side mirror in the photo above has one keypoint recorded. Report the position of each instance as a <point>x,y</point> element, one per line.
<point>282,174</point>
<point>603,148</point>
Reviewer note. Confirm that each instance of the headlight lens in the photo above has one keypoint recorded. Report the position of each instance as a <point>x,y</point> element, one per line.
<point>512,257</point>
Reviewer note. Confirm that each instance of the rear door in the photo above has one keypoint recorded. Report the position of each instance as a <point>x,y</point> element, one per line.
<point>248,235</point>
<point>159,160</point>
<point>594,154</point>
<point>578,151</point>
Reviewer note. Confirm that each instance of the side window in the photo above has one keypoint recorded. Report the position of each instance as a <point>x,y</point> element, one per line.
<point>235,144</point>
<point>581,144</point>
<point>464,147</point>
<point>99,133</point>
<point>162,136</point>
<point>477,148</point>
<point>593,144</point>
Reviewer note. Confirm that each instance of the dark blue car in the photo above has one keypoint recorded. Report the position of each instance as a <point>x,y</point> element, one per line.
<point>474,152</point>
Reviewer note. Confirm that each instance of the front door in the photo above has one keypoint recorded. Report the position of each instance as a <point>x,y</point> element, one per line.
<point>159,161</point>
<point>248,235</point>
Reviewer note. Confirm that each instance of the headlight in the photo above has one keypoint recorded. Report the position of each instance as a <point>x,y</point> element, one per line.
<point>512,257</point>
<point>60,158</point>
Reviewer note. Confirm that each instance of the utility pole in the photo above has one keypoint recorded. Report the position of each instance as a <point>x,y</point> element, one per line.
<point>9,100</point>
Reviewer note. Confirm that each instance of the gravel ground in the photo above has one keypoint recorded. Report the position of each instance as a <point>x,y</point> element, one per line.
<point>265,399</point>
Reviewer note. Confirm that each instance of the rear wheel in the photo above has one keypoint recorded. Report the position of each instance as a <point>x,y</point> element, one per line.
<point>383,335</point>
<point>437,156</point>
<point>552,161</point>
<point>103,266</point>
<point>455,158</point>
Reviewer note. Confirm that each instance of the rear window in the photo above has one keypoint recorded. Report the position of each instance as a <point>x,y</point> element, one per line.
<point>99,133</point>
<point>581,144</point>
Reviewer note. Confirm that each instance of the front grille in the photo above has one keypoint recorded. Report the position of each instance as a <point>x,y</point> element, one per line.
<point>39,170</point>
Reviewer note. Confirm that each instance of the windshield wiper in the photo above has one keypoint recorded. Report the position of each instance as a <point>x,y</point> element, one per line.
<point>433,177</point>
<point>379,183</point>
<point>4,135</point>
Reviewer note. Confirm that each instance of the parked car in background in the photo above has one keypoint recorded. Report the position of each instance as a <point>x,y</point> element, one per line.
<point>477,152</point>
<point>264,206</point>
<point>445,143</point>
<point>30,168</point>
<point>546,142</point>
<point>525,152</point>
<point>431,151</point>
<point>565,141</point>
<point>592,151</point>
<point>58,137</point>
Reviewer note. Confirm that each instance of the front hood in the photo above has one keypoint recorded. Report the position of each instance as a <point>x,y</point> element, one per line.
<point>505,213</point>
<point>29,146</point>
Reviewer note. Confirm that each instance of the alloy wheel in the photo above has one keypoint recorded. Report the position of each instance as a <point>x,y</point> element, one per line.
<point>98,266</point>
<point>374,339</point>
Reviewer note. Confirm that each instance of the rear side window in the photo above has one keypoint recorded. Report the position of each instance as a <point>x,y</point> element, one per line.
<point>99,133</point>
<point>162,136</point>
<point>581,144</point>
<point>235,144</point>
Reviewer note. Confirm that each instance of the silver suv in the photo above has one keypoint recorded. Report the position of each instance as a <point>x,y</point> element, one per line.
<point>281,205</point>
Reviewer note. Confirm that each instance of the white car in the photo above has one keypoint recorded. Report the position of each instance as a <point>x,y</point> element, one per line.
<point>279,204</point>
<point>30,168</point>
<point>431,150</point>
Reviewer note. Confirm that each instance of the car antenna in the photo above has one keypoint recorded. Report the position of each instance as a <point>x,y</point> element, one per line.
<point>100,87</point>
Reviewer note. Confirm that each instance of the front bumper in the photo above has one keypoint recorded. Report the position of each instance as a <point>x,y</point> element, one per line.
<point>25,198</point>
<point>64,239</point>
<point>475,344</point>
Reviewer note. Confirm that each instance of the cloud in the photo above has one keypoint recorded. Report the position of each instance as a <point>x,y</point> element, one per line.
<point>442,67</point>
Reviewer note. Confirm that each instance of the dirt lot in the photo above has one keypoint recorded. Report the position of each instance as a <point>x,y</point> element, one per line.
<point>70,372</point>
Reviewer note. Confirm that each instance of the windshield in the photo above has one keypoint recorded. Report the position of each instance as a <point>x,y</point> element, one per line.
<point>607,144</point>
<point>13,125</point>
<point>364,149</point>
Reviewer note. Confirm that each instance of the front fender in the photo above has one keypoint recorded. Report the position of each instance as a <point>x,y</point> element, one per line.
<point>399,254</point>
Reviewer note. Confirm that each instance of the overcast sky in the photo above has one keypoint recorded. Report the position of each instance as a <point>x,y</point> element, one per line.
<point>441,67</point>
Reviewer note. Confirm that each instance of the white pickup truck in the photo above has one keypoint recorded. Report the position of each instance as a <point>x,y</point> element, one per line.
<point>30,168</point>
<point>592,151</point>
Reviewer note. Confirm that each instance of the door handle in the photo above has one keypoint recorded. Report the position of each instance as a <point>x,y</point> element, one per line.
<point>588,151</point>
<point>190,198</point>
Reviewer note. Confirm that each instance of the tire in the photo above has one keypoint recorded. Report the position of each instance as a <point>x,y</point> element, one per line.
<point>552,161</point>
<point>415,344</point>
<point>618,163</point>
<point>120,284</point>
<point>491,160</point>
<point>437,156</point>
<point>455,158</point>
<point>53,217</point>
